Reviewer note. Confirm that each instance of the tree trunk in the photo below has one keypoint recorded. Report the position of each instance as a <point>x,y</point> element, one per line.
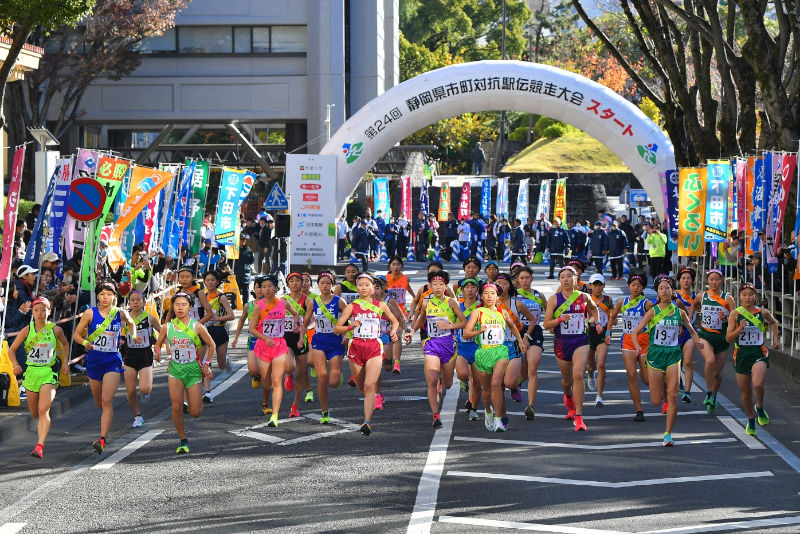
<point>18,38</point>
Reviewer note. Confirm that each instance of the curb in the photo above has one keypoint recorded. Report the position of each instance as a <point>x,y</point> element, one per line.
<point>62,403</point>
<point>787,364</point>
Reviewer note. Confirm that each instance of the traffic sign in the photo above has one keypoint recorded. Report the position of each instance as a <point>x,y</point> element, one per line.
<point>86,199</point>
<point>638,196</point>
<point>276,200</point>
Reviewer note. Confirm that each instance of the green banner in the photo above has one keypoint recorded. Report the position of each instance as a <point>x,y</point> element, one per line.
<point>199,190</point>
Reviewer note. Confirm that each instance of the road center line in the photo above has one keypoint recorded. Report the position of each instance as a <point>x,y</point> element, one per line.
<point>635,445</point>
<point>11,528</point>
<point>428,489</point>
<point>235,377</point>
<point>608,416</point>
<point>128,449</point>
<point>600,484</point>
<point>739,432</point>
<point>732,525</point>
<point>534,527</point>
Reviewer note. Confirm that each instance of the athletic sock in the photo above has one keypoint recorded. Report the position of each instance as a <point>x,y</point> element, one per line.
<point>752,422</point>
<point>184,442</point>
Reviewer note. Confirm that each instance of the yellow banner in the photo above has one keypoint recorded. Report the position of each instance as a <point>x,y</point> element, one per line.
<point>444,201</point>
<point>145,184</point>
<point>560,207</point>
<point>691,211</point>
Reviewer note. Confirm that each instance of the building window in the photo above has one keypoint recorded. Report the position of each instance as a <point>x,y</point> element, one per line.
<point>261,40</point>
<point>288,39</point>
<point>228,40</point>
<point>159,43</point>
<point>205,40</point>
<point>241,40</point>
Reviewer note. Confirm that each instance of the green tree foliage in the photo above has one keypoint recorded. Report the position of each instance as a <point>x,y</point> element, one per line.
<point>456,138</point>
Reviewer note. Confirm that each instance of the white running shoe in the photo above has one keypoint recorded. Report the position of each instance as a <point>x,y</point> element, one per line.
<point>498,425</point>
<point>598,401</point>
<point>138,421</point>
<point>488,421</point>
<point>473,415</point>
<point>593,381</point>
<point>208,398</point>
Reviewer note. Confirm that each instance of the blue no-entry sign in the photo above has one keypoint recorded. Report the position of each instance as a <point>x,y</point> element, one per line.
<point>86,199</point>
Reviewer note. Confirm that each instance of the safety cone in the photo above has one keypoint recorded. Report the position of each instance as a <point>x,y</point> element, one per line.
<point>626,265</point>
<point>436,256</point>
<point>410,256</point>
<point>353,257</point>
<point>384,255</point>
<point>546,258</point>
<point>479,253</point>
<point>507,254</point>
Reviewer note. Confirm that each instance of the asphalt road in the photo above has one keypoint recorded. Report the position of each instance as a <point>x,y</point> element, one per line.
<point>303,477</point>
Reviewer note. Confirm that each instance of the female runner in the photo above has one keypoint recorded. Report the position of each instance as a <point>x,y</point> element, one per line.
<point>507,301</point>
<point>472,267</point>
<point>684,298</point>
<point>347,288</point>
<point>599,341</point>
<point>534,301</point>
<point>388,345</point>
<point>252,363</point>
<point>295,339</point>
<point>398,287</point>
<point>137,355</point>
<point>221,312</point>
<point>465,359</point>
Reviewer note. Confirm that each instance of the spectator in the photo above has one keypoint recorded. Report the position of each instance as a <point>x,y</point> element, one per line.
<point>450,235</point>
<point>518,250</point>
<point>477,233</point>
<point>478,157</point>
<point>463,239</point>
<point>491,239</point>
<point>209,257</point>
<point>541,227</point>
<point>617,248</point>
<point>421,235</point>
<point>390,237</point>
<point>503,235</point>
<point>341,236</point>
<point>402,235</point>
<point>530,243</point>
<point>30,220</point>
<point>242,270</point>
<point>558,244</point>
<point>639,231</point>
<point>598,246</point>
<point>265,246</point>
<point>433,232</point>
<point>658,249</point>
<point>578,237</point>
<point>380,224</point>
<point>360,243</point>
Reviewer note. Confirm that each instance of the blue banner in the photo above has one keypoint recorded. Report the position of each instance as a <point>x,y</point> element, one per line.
<point>486,197</point>
<point>380,193</point>
<point>502,197</point>
<point>522,201</point>
<point>35,243</point>
<point>228,205</point>
<point>759,185</point>
<point>719,180</point>
<point>673,195</point>
<point>179,211</point>
<point>423,198</point>
<point>58,210</point>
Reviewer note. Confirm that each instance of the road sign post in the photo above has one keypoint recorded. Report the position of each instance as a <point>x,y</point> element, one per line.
<point>276,200</point>
<point>86,200</point>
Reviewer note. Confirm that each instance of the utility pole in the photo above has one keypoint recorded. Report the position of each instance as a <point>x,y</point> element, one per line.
<point>530,58</point>
<point>328,120</point>
<point>501,159</point>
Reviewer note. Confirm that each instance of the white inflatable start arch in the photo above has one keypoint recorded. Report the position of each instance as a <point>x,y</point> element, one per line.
<point>500,85</point>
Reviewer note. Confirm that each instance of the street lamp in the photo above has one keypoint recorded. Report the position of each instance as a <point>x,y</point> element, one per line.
<point>44,160</point>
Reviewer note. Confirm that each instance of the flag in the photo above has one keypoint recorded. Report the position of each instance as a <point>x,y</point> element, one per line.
<point>464,203</point>
<point>444,201</point>
<point>380,195</point>
<point>522,201</point>
<point>502,197</point>
<point>544,200</point>
<point>75,231</point>
<point>560,208</point>
<point>772,173</point>
<point>34,248</point>
<point>145,184</point>
<point>58,209</point>
<point>757,215</point>
<point>486,197</point>
<point>150,223</point>
<point>405,197</point>
<point>12,205</point>
<point>199,190</point>
<point>692,206</point>
<point>423,198</point>
<point>227,205</point>
<point>740,173</point>
<point>788,166</point>
<point>673,196</point>
<point>716,219</point>
<point>179,210</point>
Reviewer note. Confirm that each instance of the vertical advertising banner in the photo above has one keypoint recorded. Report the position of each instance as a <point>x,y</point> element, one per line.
<point>464,203</point>
<point>10,218</point>
<point>522,201</point>
<point>311,186</point>
<point>692,211</point>
<point>179,211</point>
<point>444,201</point>
<point>405,197</point>
<point>380,195</point>
<point>502,197</point>
<point>772,171</point>
<point>716,221</point>
<point>197,207</point>
<point>560,208</point>
<point>34,247</point>
<point>740,173</point>
<point>672,183</point>
<point>757,215</point>
<point>788,166</point>
<point>486,197</point>
<point>544,200</point>
<point>423,198</point>
<point>58,210</point>
<point>227,206</point>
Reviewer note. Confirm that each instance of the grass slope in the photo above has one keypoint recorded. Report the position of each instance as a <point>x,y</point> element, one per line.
<point>574,152</point>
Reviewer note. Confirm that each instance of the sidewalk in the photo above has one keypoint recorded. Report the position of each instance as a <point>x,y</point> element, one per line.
<point>789,365</point>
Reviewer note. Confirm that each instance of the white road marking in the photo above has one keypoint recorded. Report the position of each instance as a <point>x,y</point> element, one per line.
<point>128,449</point>
<point>428,489</point>
<point>635,445</point>
<point>235,377</point>
<point>257,435</point>
<point>248,432</point>
<point>559,392</point>
<point>739,432</point>
<point>11,528</point>
<point>609,416</point>
<point>533,527</point>
<point>601,484</point>
<point>319,435</point>
<point>732,525</point>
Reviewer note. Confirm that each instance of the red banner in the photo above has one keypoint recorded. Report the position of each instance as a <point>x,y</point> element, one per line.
<point>787,173</point>
<point>10,219</point>
<point>740,171</point>
<point>749,179</point>
<point>464,204</point>
<point>405,203</point>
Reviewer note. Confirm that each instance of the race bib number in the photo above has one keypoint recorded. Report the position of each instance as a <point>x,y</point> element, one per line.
<point>493,335</point>
<point>603,316</point>
<point>349,297</point>
<point>751,336</point>
<point>711,319</point>
<point>370,328</point>
<point>575,324</point>
<point>107,342</point>
<point>289,323</point>
<point>41,354</point>
<point>194,313</point>
<point>144,335</point>
<point>323,326</point>
<point>666,335</point>
<point>433,327</point>
<point>535,310</point>
<point>398,294</point>
<point>183,350</point>
<point>630,322</point>
<point>273,328</point>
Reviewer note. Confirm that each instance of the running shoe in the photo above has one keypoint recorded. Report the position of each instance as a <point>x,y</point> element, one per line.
<point>366,429</point>
<point>763,416</point>
<point>569,403</point>
<point>464,385</point>
<point>144,397</point>
<point>183,448</point>
<point>592,382</point>
<point>473,415</point>
<point>686,397</point>
<point>529,413</point>
<point>266,410</point>
<point>664,407</point>
<point>579,424</point>
<point>712,407</point>
<point>488,421</point>
<point>22,394</point>
<point>313,372</point>
<point>498,425</point>
<point>255,382</point>
<point>38,451</point>
<point>750,429</point>
<point>708,400</point>
<point>138,421</point>
<point>99,445</point>
<point>228,366</point>
<point>437,421</point>
<point>273,420</point>
<point>294,412</point>
<point>325,419</point>
<point>570,415</point>
<point>639,417</point>
<point>598,401</point>
<point>396,369</point>
<point>516,395</point>
<point>351,382</point>
<point>668,440</point>
<point>288,382</point>
<point>208,398</point>
<point>309,396</point>
<point>185,407</point>
<point>379,401</point>
<point>504,419</point>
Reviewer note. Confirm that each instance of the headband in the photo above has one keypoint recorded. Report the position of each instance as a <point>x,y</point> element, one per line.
<point>292,275</point>
<point>466,281</point>
<point>326,274</point>
<point>686,270</point>
<point>663,278</point>
<point>438,276</point>
<point>489,285</point>
<point>714,271</point>
<point>747,285</point>
<point>568,268</point>
<point>132,291</point>
<point>639,277</point>
<point>365,275</point>
<point>45,302</point>
<point>187,296</point>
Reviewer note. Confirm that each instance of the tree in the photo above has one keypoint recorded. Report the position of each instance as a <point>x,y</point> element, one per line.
<point>18,18</point>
